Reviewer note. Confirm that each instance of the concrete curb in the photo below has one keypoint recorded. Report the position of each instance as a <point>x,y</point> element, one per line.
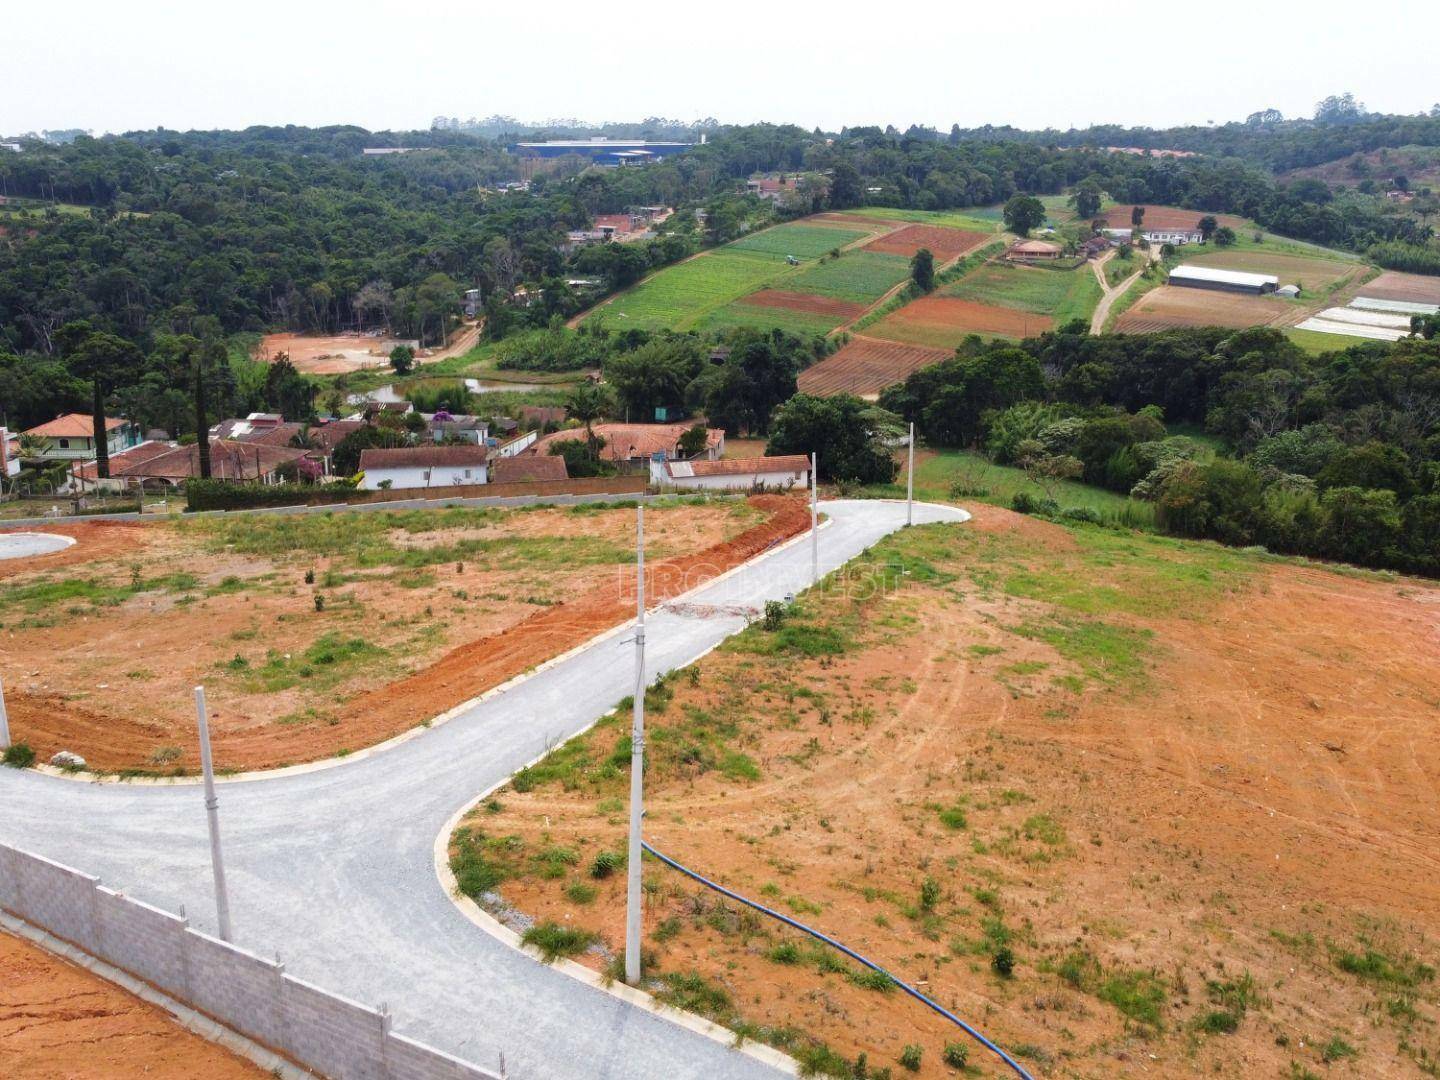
<point>639,998</point>
<point>190,1019</point>
<point>767,1055</point>
<point>83,776</point>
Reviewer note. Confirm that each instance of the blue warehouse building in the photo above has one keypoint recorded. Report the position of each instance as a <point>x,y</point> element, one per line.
<point>602,151</point>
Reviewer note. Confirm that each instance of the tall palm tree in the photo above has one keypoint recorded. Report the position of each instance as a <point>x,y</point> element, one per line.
<point>589,402</point>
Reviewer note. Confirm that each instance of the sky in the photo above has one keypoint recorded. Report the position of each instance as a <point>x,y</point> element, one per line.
<point>383,64</point>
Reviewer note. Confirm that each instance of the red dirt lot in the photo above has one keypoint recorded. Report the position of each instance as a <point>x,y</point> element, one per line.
<point>58,1020</point>
<point>94,540</point>
<point>944,321</point>
<point>1241,819</point>
<point>1170,306</point>
<point>865,366</point>
<point>841,310</point>
<point>108,678</point>
<point>1413,288</point>
<point>1166,217</point>
<point>944,244</point>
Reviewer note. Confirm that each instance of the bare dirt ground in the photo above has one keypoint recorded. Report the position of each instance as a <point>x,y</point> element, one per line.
<point>1187,790</point>
<point>417,612</point>
<point>865,366</point>
<point>58,1020</point>
<point>945,244</point>
<point>942,322</point>
<point>809,302</point>
<point>316,354</point>
<point>1178,305</point>
<point>1166,217</point>
<point>1393,285</point>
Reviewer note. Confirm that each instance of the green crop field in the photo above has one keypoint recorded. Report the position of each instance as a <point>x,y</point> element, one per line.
<point>1061,294</point>
<point>858,276</point>
<point>798,239</point>
<point>945,219</point>
<point>677,297</point>
<point>803,323</point>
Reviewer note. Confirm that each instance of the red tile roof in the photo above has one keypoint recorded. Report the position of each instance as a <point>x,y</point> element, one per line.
<point>747,466</point>
<point>229,460</point>
<point>624,441</point>
<point>527,467</point>
<point>422,457</point>
<point>74,426</point>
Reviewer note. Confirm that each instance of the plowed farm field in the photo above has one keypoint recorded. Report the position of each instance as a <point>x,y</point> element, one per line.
<point>1312,275</point>
<point>840,310</point>
<point>865,366</point>
<point>944,244</point>
<point>1412,288</point>
<point>1166,217</point>
<point>319,634</point>
<point>942,322</point>
<point>1170,306</point>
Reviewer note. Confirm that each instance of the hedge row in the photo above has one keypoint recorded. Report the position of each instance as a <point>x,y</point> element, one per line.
<point>225,495</point>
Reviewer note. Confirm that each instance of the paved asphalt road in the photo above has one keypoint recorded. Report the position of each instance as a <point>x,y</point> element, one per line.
<point>334,869</point>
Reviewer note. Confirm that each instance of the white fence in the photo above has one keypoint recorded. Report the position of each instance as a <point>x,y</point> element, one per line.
<point>324,1032</point>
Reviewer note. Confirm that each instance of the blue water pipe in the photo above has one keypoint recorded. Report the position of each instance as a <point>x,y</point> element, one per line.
<point>916,994</point>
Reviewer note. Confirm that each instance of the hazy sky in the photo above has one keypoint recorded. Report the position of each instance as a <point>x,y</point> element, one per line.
<point>387,64</point>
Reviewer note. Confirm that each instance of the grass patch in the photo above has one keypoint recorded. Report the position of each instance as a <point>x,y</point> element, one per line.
<point>554,940</point>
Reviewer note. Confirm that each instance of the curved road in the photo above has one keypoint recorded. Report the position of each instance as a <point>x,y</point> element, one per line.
<point>334,869</point>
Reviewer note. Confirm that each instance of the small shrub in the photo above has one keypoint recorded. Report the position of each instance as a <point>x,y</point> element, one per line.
<point>19,755</point>
<point>1337,1049</point>
<point>319,602</point>
<point>554,941</point>
<point>1003,962</point>
<point>870,979</point>
<point>956,1055</point>
<point>787,952</point>
<point>577,892</point>
<point>910,1057</point>
<point>1081,513</point>
<point>929,894</point>
<point>605,864</point>
<point>953,817</point>
<point>309,577</point>
<point>164,755</point>
<point>775,613</point>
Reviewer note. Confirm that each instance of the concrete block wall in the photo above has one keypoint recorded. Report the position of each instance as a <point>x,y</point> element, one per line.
<point>326,1033</point>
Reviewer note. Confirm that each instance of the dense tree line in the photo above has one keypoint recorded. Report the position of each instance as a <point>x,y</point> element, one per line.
<point>1336,456</point>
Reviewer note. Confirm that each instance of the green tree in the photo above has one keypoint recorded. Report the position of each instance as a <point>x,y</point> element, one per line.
<point>847,190</point>
<point>587,403</point>
<point>922,270</point>
<point>102,359</point>
<point>693,440</point>
<point>1023,213</point>
<point>402,359</point>
<point>1137,216</point>
<point>654,376</point>
<point>845,432</point>
<point>1207,226</point>
<point>1086,199</point>
<point>288,392</point>
<point>1224,236</point>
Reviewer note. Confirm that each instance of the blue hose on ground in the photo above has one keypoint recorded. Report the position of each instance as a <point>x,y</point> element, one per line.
<point>916,994</point>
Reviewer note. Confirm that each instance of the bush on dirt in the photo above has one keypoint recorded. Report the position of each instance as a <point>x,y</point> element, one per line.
<point>19,755</point>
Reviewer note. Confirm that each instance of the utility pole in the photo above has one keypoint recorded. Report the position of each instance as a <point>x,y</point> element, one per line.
<point>633,922</point>
<point>212,814</point>
<point>4,720</point>
<point>910,480</point>
<point>814,523</point>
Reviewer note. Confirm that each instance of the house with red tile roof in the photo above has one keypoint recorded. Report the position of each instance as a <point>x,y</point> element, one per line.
<point>157,465</point>
<point>71,436</point>
<point>528,468</point>
<point>732,474</point>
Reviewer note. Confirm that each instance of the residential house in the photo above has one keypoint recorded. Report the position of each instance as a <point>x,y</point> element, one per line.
<point>1033,251</point>
<point>9,454</point>
<point>71,437</point>
<point>1095,246</point>
<point>443,425</point>
<point>732,474</point>
<point>157,466</point>
<point>423,467</point>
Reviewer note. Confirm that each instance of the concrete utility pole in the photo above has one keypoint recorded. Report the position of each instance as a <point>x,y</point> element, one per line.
<point>910,480</point>
<point>633,867</point>
<point>212,814</point>
<point>814,522</point>
<point>4,720</point>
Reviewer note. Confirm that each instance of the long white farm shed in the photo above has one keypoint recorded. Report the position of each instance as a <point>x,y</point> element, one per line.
<point>1212,277</point>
